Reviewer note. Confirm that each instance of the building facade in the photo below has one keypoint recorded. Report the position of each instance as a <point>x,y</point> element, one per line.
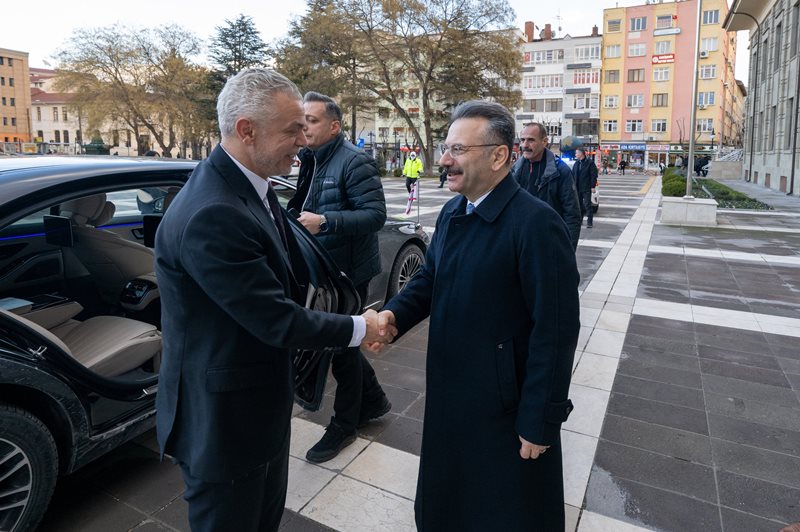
<point>771,146</point>
<point>648,66</point>
<point>561,85</point>
<point>15,101</point>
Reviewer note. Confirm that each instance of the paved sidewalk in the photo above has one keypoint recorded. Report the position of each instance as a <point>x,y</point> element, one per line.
<point>702,427</point>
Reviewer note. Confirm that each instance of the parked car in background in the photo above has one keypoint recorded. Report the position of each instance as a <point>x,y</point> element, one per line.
<point>80,340</point>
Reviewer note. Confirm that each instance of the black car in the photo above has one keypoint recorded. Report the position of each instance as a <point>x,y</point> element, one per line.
<point>80,312</point>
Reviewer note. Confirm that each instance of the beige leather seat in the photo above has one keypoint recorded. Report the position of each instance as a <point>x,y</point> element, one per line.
<point>107,345</point>
<point>112,260</point>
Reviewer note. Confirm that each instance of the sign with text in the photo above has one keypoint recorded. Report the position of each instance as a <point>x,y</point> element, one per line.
<point>633,147</point>
<point>663,59</point>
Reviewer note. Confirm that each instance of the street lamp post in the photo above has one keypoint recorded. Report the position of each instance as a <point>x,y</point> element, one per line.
<point>693,114</point>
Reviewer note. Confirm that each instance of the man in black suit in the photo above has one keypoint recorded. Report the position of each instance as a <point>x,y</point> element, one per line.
<point>585,172</point>
<point>231,311</point>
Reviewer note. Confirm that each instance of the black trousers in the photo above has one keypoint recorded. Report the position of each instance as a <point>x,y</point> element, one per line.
<point>410,181</point>
<point>250,504</point>
<point>586,206</point>
<point>356,383</point>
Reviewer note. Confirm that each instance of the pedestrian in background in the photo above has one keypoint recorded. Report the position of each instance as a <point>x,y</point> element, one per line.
<point>585,172</point>
<point>500,285</point>
<point>623,164</point>
<point>412,170</point>
<point>548,178</point>
<point>340,200</point>
<point>232,310</point>
<point>442,177</point>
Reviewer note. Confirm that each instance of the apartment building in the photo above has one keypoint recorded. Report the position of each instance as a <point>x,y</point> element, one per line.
<point>561,84</point>
<point>648,65</point>
<point>15,101</point>
<point>771,146</point>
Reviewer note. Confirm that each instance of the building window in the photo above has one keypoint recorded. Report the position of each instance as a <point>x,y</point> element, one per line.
<point>790,124</point>
<point>383,112</point>
<point>611,102</point>
<point>12,102</point>
<point>5,120</point>
<point>705,98</point>
<point>709,44</point>
<point>663,22</point>
<point>586,76</point>
<point>612,76</point>
<point>635,75</point>
<point>544,57</point>
<point>553,130</point>
<point>633,126</point>
<point>614,26</point>
<point>610,126</point>
<point>636,50</point>
<point>10,61</point>
<point>2,81</point>
<point>57,134</point>
<point>795,28</point>
<point>635,100</point>
<point>661,74</point>
<point>413,93</point>
<point>764,54</point>
<point>39,114</point>
<point>613,50</point>
<point>584,128</point>
<point>55,114</point>
<point>383,133</point>
<point>660,99</point>
<point>708,71</point>
<point>128,138</point>
<point>704,125</point>
<point>543,82</point>
<point>64,114</point>
<point>550,105</point>
<point>585,53</point>
<point>711,17</point>
<point>3,100</point>
<point>40,135</point>
<point>658,125</point>
<point>663,47</point>
<point>585,101</point>
<point>66,137</point>
<point>776,56</point>
<point>10,82</point>
<point>638,24</point>
<point>413,112</point>
<point>13,121</point>
<point>1,62</point>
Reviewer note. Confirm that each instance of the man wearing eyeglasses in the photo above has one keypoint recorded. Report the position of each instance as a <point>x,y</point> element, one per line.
<point>500,285</point>
<point>548,178</point>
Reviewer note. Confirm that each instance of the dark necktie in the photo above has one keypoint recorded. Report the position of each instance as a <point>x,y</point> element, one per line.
<point>277,215</point>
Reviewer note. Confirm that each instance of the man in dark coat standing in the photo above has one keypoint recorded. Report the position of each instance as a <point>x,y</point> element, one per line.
<point>232,309</point>
<point>340,200</point>
<point>585,172</point>
<point>500,284</point>
<point>548,178</point>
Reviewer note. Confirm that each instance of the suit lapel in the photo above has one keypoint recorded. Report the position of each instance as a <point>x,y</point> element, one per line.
<point>240,184</point>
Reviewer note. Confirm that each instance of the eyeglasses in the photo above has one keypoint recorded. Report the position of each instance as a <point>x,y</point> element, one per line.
<point>460,149</point>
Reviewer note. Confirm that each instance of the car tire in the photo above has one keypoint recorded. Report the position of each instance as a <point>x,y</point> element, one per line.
<point>407,263</point>
<point>28,465</point>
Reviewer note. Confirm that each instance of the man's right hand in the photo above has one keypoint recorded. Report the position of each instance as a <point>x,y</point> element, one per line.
<point>385,327</point>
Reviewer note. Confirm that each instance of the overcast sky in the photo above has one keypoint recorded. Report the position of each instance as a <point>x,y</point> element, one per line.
<point>50,23</point>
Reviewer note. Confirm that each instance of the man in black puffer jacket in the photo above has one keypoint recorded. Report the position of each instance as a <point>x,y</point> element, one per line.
<point>340,200</point>
<point>548,178</point>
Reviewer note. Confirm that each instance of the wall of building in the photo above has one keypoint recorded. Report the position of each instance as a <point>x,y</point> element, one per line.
<point>15,100</point>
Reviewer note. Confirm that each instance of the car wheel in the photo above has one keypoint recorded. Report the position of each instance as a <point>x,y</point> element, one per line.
<point>28,469</point>
<point>407,263</point>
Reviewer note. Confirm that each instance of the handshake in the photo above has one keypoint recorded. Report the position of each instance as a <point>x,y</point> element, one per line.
<point>381,330</point>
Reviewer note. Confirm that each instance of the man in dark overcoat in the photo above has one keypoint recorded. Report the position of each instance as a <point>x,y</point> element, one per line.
<point>232,307</point>
<point>500,284</point>
<point>585,172</point>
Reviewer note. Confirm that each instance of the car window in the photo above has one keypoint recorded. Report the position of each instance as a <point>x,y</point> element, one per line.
<point>284,192</point>
<point>31,223</point>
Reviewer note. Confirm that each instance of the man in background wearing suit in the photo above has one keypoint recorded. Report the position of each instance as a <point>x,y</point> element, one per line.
<point>232,309</point>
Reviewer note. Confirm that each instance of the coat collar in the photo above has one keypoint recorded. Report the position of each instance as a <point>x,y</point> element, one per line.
<point>495,202</point>
<point>327,150</point>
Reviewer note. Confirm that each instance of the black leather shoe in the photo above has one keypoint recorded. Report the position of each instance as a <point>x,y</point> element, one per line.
<point>370,412</point>
<point>333,441</point>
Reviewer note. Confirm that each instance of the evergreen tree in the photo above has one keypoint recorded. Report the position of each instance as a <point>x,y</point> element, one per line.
<point>237,45</point>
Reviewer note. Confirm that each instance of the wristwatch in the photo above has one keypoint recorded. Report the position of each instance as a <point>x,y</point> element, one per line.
<point>323,224</point>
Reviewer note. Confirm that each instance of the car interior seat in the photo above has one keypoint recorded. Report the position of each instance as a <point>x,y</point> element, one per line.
<point>107,345</point>
<point>111,260</point>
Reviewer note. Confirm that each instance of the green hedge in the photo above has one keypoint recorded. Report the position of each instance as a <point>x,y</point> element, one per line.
<point>675,188</point>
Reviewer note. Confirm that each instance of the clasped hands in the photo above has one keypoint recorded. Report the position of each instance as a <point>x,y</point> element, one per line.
<point>381,330</point>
